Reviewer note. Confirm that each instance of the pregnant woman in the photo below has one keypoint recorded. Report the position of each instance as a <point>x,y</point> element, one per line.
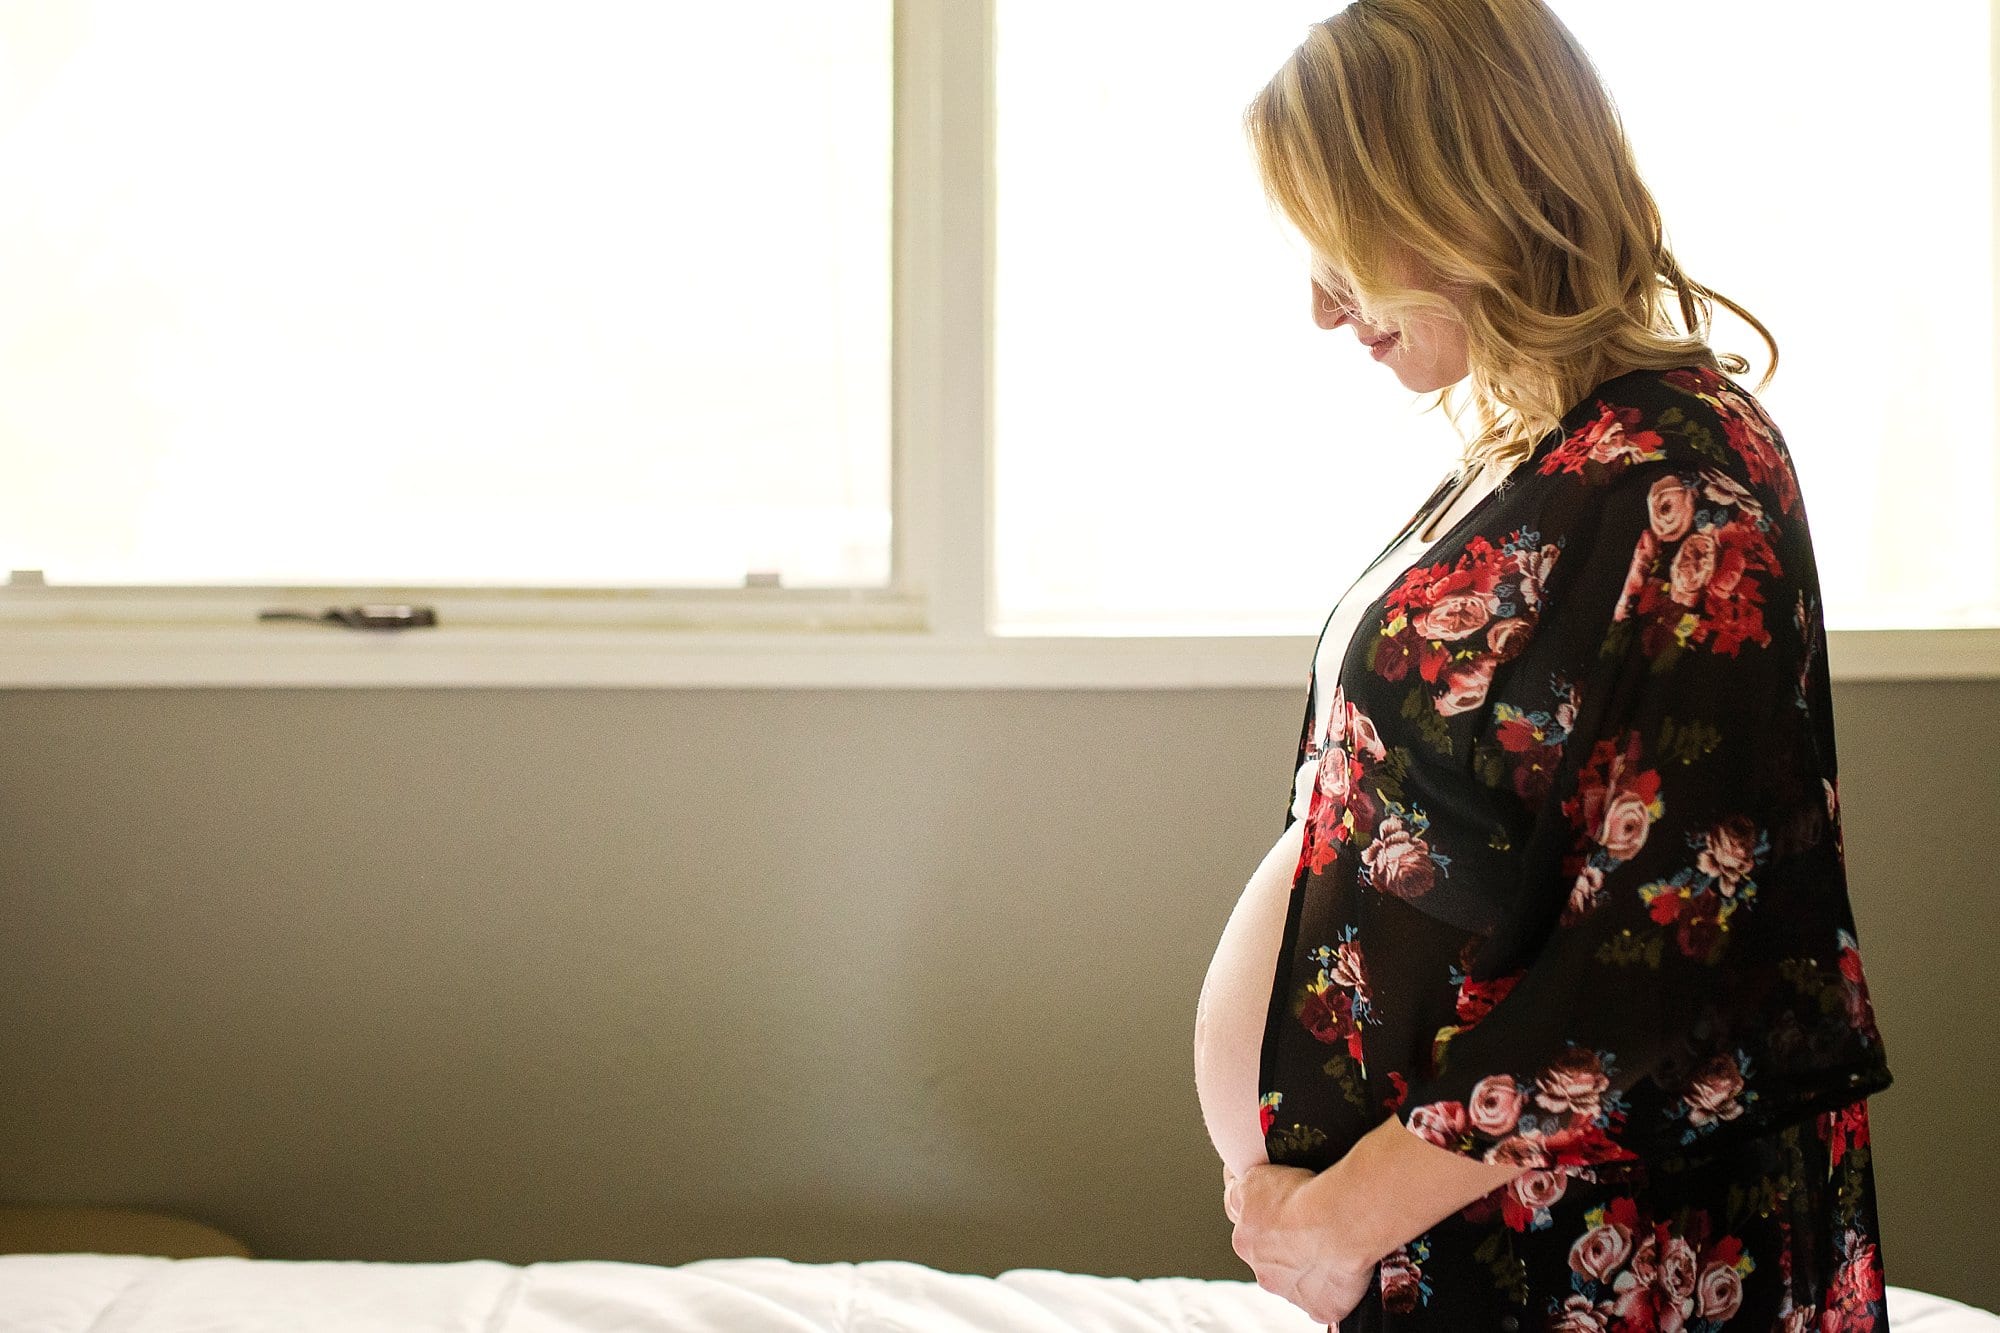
<point>1546,1010</point>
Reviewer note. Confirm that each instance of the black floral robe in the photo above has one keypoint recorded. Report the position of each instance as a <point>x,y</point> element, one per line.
<point>1572,896</point>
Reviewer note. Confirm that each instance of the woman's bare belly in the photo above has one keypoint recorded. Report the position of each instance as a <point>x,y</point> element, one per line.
<point>1235,996</point>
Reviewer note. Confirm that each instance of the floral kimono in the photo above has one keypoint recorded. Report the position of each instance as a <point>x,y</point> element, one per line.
<point>1572,896</point>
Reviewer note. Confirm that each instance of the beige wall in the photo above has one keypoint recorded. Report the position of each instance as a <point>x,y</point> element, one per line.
<point>658,976</point>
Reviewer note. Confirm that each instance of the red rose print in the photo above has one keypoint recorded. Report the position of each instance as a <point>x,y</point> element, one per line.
<point>1442,1123</point>
<point>1328,1013</point>
<point>1844,1129</point>
<point>1616,799</point>
<point>1477,998</point>
<point>1664,977</point>
<point>1612,438</point>
<point>1583,1144</point>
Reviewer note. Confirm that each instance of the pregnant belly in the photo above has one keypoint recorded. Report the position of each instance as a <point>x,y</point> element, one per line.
<point>1235,996</point>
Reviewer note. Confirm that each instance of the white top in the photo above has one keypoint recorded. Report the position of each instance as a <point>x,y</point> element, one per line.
<point>1236,994</point>
<point>1341,626</point>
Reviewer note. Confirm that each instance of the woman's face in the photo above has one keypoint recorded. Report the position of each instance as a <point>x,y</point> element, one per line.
<point>1438,358</point>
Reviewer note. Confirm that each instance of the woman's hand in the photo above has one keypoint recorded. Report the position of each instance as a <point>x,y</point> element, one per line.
<point>1294,1254</point>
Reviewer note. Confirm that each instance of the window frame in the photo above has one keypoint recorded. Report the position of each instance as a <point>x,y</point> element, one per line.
<point>929,628</point>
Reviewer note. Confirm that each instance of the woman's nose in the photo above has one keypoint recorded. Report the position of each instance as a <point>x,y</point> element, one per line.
<point>1327,312</point>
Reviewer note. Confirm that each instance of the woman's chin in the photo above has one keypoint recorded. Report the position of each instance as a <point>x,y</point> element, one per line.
<point>1424,379</point>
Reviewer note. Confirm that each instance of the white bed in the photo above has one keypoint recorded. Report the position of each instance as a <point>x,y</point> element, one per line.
<point>93,1293</point>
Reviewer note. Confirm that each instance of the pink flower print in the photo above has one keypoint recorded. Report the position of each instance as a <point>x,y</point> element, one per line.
<point>1494,1107</point>
<point>1616,799</point>
<point>1599,1252</point>
<point>1719,1294</point>
<point>1442,1123</point>
<point>1730,853</point>
<point>1465,685</point>
<point>1856,1289</point>
<point>1350,970</point>
<point>1578,1315</point>
<point>1712,1091</point>
<point>1693,563</point>
<point>1604,440</point>
<point>1401,1280</point>
<point>1627,817</point>
<point>1361,732</point>
<point>1670,508</point>
<point>1584,895</point>
<point>1566,709</point>
<point>1336,774</point>
<point>1506,638</point>
<point>1532,570</point>
<point>1575,1083</point>
<point>1518,1150</point>
<point>1455,616</point>
<point>1678,1271</point>
<point>1637,574</point>
<point>1538,1188</point>
<point>1399,861</point>
<point>1724,489</point>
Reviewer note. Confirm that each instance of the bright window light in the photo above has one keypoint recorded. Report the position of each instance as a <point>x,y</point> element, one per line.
<point>1180,450</point>
<point>434,292</point>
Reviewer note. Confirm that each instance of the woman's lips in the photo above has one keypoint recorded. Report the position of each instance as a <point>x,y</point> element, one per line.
<point>1381,349</point>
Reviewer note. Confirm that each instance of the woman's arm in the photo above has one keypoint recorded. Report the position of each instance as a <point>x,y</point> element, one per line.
<point>1316,1239</point>
<point>1393,1186</point>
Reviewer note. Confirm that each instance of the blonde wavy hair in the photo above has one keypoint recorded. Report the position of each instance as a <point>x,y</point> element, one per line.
<point>1472,144</point>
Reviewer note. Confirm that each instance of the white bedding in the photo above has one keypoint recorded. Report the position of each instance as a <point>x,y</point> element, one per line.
<point>91,1293</point>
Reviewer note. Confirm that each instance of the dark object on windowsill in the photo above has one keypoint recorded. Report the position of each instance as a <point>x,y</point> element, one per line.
<point>362,617</point>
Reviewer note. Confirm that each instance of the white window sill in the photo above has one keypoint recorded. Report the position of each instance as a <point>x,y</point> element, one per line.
<point>287,656</point>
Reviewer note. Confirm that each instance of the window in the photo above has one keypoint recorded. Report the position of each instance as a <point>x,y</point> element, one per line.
<point>651,344</point>
<point>1177,445</point>
<point>413,292</point>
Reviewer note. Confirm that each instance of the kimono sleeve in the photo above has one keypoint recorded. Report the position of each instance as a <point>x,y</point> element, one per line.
<point>1675,966</point>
